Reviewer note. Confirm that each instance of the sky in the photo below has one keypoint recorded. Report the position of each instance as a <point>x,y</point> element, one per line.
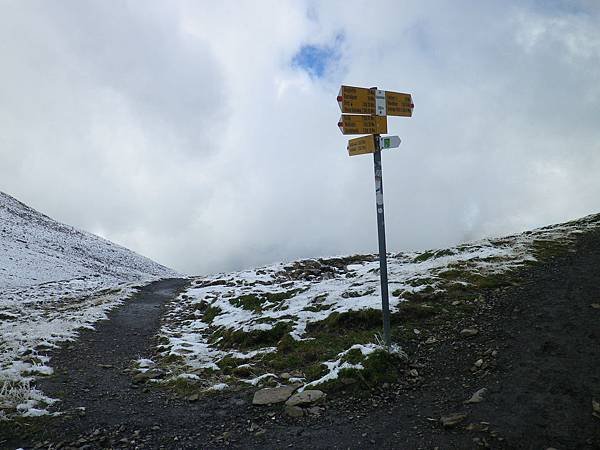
<point>204,134</point>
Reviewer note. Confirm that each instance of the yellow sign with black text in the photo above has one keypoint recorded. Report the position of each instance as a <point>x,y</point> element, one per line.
<point>361,145</point>
<point>353,124</point>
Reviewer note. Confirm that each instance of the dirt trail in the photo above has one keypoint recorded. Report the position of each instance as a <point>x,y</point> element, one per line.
<point>540,381</point>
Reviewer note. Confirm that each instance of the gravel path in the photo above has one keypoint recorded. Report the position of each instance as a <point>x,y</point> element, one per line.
<point>537,353</point>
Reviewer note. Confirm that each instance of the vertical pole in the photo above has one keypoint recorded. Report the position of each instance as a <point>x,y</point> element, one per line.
<point>385,302</point>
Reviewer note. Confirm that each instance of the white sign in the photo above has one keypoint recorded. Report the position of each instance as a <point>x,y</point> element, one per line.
<point>389,142</point>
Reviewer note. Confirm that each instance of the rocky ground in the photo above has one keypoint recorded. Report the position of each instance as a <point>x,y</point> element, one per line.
<point>520,371</point>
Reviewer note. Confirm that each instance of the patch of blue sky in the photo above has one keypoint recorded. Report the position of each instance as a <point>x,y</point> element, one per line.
<point>317,59</point>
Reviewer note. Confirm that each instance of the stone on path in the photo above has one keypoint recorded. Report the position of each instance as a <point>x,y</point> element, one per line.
<point>452,420</point>
<point>305,397</point>
<point>469,332</point>
<point>268,396</point>
<point>477,397</point>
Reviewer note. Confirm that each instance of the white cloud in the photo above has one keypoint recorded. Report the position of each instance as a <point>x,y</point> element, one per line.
<point>182,130</point>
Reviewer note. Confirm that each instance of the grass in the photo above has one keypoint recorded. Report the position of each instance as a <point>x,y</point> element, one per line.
<point>266,300</point>
<point>250,340</point>
<point>210,313</point>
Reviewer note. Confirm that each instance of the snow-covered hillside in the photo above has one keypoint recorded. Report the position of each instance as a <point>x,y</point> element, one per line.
<point>54,279</point>
<point>35,249</point>
<point>306,317</point>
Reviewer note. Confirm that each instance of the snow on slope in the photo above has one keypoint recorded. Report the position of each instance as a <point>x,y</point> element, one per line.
<point>203,331</point>
<point>54,279</point>
<point>35,249</point>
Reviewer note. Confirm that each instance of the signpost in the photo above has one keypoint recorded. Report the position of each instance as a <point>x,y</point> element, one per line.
<point>374,106</point>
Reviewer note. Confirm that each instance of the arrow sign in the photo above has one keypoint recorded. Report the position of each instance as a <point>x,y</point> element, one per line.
<point>357,100</point>
<point>361,145</point>
<point>397,104</point>
<point>352,124</point>
<point>389,142</point>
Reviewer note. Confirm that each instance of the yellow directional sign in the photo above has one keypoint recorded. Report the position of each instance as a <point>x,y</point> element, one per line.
<point>398,104</point>
<point>351,124</point>
<point>357,100</point>
<point>361,145</point>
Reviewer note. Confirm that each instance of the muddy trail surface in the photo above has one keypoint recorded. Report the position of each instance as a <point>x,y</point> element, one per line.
<point>535,351</point>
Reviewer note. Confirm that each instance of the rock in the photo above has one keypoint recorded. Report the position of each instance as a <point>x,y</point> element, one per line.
<point>192,398</point>
<point>431,340</point>
<point>315,411</point>
<point>469,332</point>
<point>595,409</point>
<point>268,396</point>
<point>595,305</point>
<point>413,373</point>
<point>142,377</point>
<point>478,363</point>
<point>285,376</point>
<point>452,419</point>
<point>477,397</point>
<point>305,397</point>
<point>294,411</point>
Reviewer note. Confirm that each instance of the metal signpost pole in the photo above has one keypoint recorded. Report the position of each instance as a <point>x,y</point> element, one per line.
<point>368,110</point>
<point>385,302</point>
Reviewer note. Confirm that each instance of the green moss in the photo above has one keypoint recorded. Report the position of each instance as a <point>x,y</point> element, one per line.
<point>173,359</point>
<point>475,279</point>
<point>381,366</point>
<point>424,256</point>
<point>432,254</point>
<point>353,356</point>
<point>315,371</point>
<point>265,300</point>
<point>249,302</point>
<point>182,386</point>
<point>228,364</point>
<point>412,311</point>
<point>317,308</point>
<point>246,340</point>
<point>210,313</point>
<point>543,250</point>
<point>363,319</point>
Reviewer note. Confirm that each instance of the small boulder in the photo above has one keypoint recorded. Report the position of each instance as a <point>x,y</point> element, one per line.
<point>452,419</point>
<point>294,411</point>
<point>477,397</point>
<point>469,332</point>
<point>269,396</point>
<point>306,397</point>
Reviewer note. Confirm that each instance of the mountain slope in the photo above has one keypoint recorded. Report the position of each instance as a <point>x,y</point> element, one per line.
<point>35,249</point>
